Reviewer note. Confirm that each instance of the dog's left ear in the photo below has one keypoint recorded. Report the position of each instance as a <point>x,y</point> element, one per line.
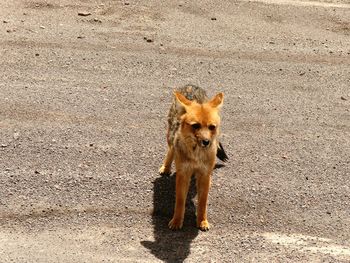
<point>217,101</point>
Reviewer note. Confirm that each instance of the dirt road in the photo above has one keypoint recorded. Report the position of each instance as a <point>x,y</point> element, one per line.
<point>84,92</point>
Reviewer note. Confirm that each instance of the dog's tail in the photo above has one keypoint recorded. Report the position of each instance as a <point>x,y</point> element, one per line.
<point>221,153</point>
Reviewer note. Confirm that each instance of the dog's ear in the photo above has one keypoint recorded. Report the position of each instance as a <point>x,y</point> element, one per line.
<point>182,99</point>
<point>217,101</point>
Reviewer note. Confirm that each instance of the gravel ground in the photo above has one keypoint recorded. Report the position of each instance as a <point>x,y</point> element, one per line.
<point>84,93</point>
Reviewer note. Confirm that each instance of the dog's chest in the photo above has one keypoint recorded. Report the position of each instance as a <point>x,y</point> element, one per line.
<point>195,157</point>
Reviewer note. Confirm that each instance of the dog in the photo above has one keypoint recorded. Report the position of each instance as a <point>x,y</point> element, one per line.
<point>192,137</point>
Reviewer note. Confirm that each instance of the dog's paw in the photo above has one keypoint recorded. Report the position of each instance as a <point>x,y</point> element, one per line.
<point>203,225</point>
<point>163,170</point>
<point>175,224</point>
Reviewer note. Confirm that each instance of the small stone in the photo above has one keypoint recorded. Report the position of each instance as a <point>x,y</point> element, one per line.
<point>213,18</point>
<point>16,135</point>
<point>42,27</point>
<point>301,73</point>
<point>80,37</point>
<point>126,3</point>
<point>37,54</point>
<point>149,40</point>
<point>4,145</point>
<point>36,172</point>
<point>343,98</point>
<point>5,21</point>
<point>84,13</point>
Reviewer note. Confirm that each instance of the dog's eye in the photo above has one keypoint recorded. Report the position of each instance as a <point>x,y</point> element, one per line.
<point>211,127</point>
<point>196,126</point>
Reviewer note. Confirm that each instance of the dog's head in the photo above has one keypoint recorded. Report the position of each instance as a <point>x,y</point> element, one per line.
<point>200,122</point>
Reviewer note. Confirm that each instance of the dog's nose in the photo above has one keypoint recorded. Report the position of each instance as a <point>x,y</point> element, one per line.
<point>205,143</point>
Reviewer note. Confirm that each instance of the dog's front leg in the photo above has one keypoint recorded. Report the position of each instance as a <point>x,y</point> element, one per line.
<point>182,185</point>
<point>203,185</point>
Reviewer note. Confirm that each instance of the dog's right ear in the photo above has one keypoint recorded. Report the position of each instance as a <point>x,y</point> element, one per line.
<point>182,99</point>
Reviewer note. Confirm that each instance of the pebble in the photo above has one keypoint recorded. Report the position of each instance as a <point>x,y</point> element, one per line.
<point>42,27</point>
<point>4,145</point>
<point>16,135</point>
<point>84,13</point>
<point>343,98</point>
<point>149,40</point>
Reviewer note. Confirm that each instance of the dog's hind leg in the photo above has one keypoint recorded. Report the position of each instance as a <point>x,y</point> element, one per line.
<point>166,167</point>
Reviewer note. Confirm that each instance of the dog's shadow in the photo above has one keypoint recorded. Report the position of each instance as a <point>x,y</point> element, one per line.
<point>171,246</point>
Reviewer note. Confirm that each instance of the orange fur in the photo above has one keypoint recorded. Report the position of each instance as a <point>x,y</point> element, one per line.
<point>194,150</point>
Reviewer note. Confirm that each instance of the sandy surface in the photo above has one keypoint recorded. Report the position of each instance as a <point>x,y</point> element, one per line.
<point>83,104</point>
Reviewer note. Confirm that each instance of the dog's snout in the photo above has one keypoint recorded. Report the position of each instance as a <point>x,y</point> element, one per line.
<point>205,143</point>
